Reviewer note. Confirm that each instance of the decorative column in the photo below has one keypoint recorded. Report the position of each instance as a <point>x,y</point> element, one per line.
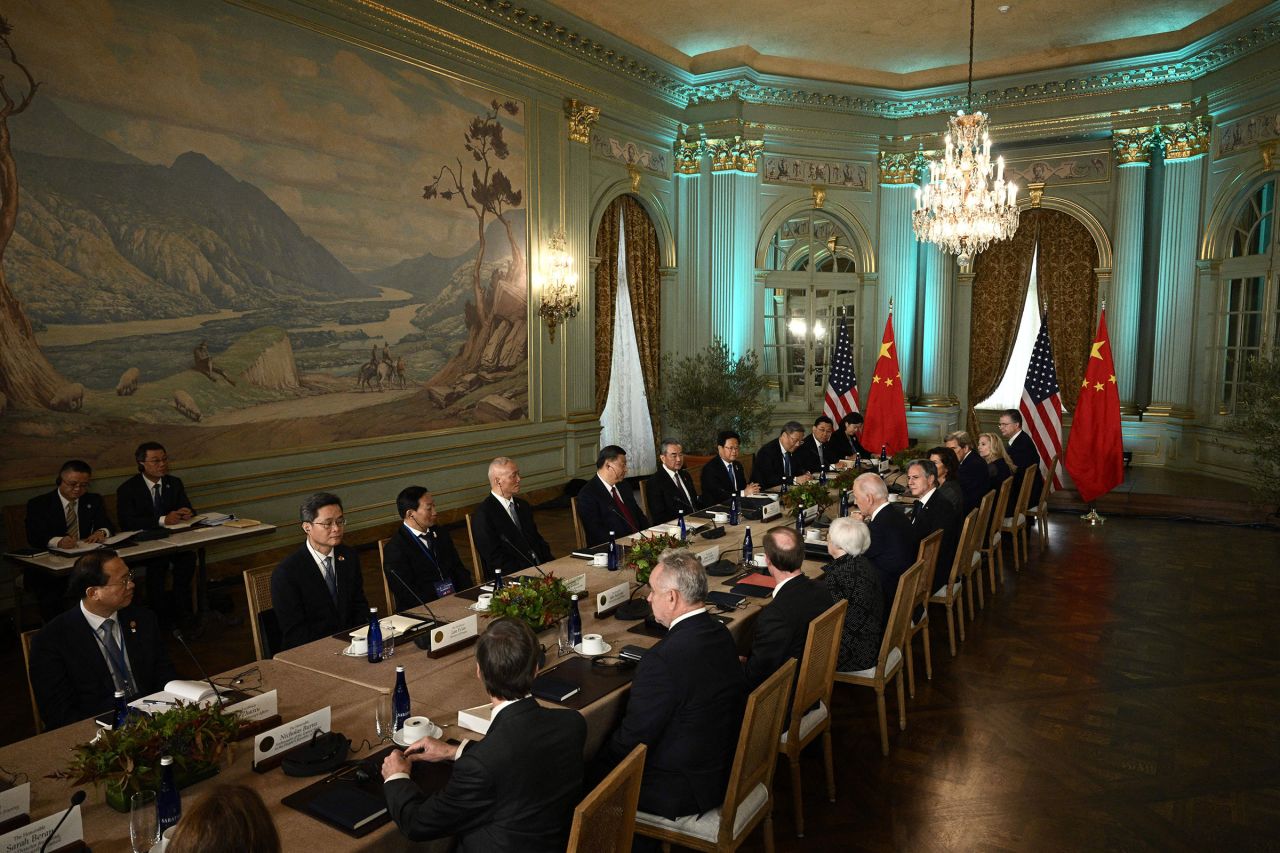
<point>936,337</point>
<point>734,184</point>
<point>693,237</point>
<point>899,265</point>
<point>579,334</point>
<point>1184,146</point>
<point>1133,159</point>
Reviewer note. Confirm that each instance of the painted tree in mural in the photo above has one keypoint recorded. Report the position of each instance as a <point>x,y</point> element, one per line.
<point>493,336</point>
<point>26,376</point>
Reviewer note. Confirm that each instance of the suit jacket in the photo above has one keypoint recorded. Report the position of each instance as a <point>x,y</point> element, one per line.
<point>767,468</point>
<point>716,487</point>
<point>1022,450</point>
<point>136,509</point>
<point>412,575</point>
<point>492,521</point>
<point>301,599</point>
<point>974,479</point>
<point>70,676</point>
<point>894,546</point>
<point>46,520</point>
<point>513,791</point>
<point>938,514</point>
<point>686,706</point>
<point>600,514</point>
<point>807,454</point>
<point>782,628</point>
<point>666,501</point>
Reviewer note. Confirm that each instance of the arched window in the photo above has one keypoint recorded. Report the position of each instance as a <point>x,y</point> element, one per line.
<point>1251,315</point>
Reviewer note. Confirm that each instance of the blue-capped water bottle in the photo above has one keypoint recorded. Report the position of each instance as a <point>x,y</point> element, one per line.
<point>122,710</point>
<point>684,531</point>
<point>613,552</point>
<point>375,637</point>
<point>399,701</point>
<point>168,800</point>
<point>822,474</point>
<point>884,453</point>
<point>497,580</point>
<point>733,509</point>
<point>747,548</point>
<point>575,622</point>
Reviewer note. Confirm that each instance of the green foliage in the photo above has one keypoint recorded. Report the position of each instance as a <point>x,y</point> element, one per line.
<point>643,556</point>
<point>538,602</point>
<point>902,458</point>
<point>710,391</point>
<point>808,494</point>
<point>1257,422</point>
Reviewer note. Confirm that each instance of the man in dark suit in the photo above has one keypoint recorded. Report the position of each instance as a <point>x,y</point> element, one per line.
<point>1022,450</point>
<point>503,526</point>
<point>894,545</point>
<point>930,515</point>
<point>516,789</point>
<point>846,441</point>
<point>606,504</point>
<point>671,490</point>
<point>973,476</point>
<point>725,475</point>
<point>775,462</point>
<point>816,451</point>
<point>146,501</point>
<point>419,559</point>
<point>318,590</point>
<point>63,518</point>
<point>687,699</point>
<point>87,653</point>
<point>782,628</point>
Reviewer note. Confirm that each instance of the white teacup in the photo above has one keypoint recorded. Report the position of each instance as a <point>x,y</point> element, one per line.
<point>359,646</point>
<point>721,517</point>
<point>893,496</point>
<point>600,559</point>
<point>813,535</point>
<point>416,728</point>
<point>673,530</point>
<point>484,601</point>
<point>757,560</point>
<point>592,644</point>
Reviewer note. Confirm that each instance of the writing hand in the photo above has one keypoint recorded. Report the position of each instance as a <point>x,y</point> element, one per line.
<point>395,762</point>
<point>96,536</point>
<point>430,749</point>
<point>751,489</point>
<point>67,542</point>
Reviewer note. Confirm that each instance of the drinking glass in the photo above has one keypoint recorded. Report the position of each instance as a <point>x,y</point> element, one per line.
<point>388,639</point>
<point>383,717</point>
<point>563,646</point>
<point>144,825</point>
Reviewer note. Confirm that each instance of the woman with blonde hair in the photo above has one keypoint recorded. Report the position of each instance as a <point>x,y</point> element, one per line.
<point>999,465</point>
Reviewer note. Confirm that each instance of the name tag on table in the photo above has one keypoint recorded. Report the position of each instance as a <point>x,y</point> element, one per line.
<point>576,584</point>
<point>15,806</point>
<point>256,708</point>
<point>709,556</point>
<point>273,743</point>
<point>810,513</point>
<point>771,510</point>
<point>29,838</point>
<point>455,635</point>
<point>613,598</point>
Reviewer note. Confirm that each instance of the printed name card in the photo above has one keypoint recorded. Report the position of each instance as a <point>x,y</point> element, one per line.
<point>613,598</point>
<point>31,837</point>
<point>771,510</point>
<point>576,584</point>
<point>272,743</point>
<point>15,803</point>
<point>455,635</point>
<point>709,556</point>
<point>810,513</point>
<point>255,708</point>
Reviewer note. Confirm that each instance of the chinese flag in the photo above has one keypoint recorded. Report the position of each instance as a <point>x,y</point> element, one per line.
<point>1095,457</point>
<point>886,413</point>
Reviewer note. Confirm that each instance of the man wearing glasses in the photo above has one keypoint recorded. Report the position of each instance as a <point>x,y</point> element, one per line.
<point>318,590</point>
<point>606,503</point>
<point>725,476</point>
<point>64,518</point>
<point>106,644</point>
<point>670,488</point>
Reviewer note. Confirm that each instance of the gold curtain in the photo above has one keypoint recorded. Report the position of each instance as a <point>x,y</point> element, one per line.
<point>1068,283</point>
<point>1000,278</point>
<point>643,283</point>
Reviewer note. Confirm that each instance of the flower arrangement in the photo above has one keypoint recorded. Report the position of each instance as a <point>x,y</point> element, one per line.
<point>643,556</point>
<point>808,494</point>
<point>538,602</point>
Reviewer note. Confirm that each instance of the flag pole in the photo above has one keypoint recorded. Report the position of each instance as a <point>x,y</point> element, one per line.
<point>1092,516</point>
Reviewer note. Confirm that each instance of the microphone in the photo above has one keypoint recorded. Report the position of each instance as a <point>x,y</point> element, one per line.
<point>177,635</point>
<point>418,641</point>
<point>76,799</point>
<point>523,556</point>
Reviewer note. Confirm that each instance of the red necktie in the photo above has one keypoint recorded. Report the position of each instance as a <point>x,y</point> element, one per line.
<point>622,508</point>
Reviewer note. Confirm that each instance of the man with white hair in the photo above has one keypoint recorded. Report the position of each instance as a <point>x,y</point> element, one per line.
<point>893,547</point>
<point>503,525</point>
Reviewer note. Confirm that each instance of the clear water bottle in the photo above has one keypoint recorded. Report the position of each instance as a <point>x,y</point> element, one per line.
<point>498,582</point>
<point>575,622</point>
<point>168,801</point>
<point>375,637</point>
<point>800,521</point>
<point>122,710</point>
<point>733,509</point>
<point>399,701</point>
<point>684,531</point>
<point>844,503</point>
<point>747,548</point>
<point>613,552</point>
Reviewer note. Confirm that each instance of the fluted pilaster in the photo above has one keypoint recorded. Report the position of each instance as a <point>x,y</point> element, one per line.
<point>1126,280</point>
<point>1175,309</point>
<point>936,335</point>
<point>898,268</point>
<point>733,207</point>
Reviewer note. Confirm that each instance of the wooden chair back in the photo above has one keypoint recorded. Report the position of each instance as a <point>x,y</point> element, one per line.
<point>1023,501</point>
<point>928,555</point>
<point>998,512</point>
<point>985,508</point>
<point>26,637</point>
<point>1043,506</point>
<point>644,496</point>
<point>818,666</point>
<point>964,549</point>
<point>257,592</point>
<point>478,569</point>
<point>904,601</point>
<point>579,534</point>
<point>605,820</point>
<point>386,582</point>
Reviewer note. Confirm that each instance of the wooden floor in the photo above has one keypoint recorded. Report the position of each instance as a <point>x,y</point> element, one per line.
<point>1121,693</point>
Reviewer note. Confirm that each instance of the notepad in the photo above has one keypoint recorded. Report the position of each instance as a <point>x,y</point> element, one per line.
<point>554,689</point>
<point>347,805</point>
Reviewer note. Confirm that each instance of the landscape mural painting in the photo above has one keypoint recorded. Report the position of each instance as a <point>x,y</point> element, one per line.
<point>241,236</point>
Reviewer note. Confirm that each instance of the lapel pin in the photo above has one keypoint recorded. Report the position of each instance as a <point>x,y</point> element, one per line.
<point>133,627</point>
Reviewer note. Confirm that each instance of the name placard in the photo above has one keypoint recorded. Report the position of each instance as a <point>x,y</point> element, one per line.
<point>576,584</point>
<point>771,510</point>
<point>15,806</point>
<point>255,708</point>
<point>613,598</point>
<point>708,556</point>
<point>810,513</point>
<point>270,744</point>
<point>29,838</point>
<point>455,635</point>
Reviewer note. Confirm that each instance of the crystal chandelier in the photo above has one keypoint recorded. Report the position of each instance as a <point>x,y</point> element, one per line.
<point>967,203</point>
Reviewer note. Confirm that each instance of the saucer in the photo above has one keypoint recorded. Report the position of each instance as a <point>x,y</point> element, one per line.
<point>607,648</point>
<point>476,608</point>
<point>348,653</point>
<point>398,737</point>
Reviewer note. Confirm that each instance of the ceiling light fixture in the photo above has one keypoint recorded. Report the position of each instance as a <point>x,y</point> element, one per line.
<point>965,207</point>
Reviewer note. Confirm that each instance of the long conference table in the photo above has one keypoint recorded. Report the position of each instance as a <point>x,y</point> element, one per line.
<point>312,676</point>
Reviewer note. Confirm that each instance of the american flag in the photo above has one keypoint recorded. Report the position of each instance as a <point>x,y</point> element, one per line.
<point>842,383</point>
<point>1041,405</point>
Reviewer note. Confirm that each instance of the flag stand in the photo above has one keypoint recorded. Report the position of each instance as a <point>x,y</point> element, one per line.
<point>1092,516</point>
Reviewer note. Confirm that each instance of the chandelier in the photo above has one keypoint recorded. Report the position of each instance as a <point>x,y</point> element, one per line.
<point>967,204</point>
<point>559,285</point>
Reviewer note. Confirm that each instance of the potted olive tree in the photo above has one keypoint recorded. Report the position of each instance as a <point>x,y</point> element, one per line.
<point>710,391</point>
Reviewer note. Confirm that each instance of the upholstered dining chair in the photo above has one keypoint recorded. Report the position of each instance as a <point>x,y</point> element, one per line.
<point>990,547</point>
<point>578,532</point>
<point>1038,515</point>
<point>927,554</point>
<point>605,820</point>
<point>953,590</point>
<point>1016,524</point>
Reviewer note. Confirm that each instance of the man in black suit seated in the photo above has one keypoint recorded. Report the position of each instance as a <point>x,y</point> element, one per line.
<point>146,501</point>
<point>671,490</point>
<point>846,441</point>
<point>503,526</point>
<point>516,789</point>
<point>87,653</point>
<point>894,545</point>
<point>775,462</point>
<point>816,451</point>
<point>687,698</point>
<point>930,515</point>
<point>63,518</point>
<point>1023,452</point>
<point>782,628</point>
<point>419,559</point>
<point>974,478</point>
<point>606,504</point>
<point>724,476</point>
<point>318,590</point>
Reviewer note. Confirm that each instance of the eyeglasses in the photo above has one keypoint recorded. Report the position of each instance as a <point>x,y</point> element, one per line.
<point>73,485</point>
<point>128,579</point>
<point>337,522</point>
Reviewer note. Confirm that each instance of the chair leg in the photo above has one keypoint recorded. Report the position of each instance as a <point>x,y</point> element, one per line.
<point>902,707</point>
<point>990,554</point>
<point>1013,540</point>
<point>768,834</point>
<point>951,630</point>
<point>959,603</point>
<point>968,596</point>
<point>829,761</point>
<point>1000,563</point>
<point>884,720</point>
<point>982,596</point>
<point>796,798</point>
<point>1044,530</point>
<point>911,666</point>
<point>928,655</point>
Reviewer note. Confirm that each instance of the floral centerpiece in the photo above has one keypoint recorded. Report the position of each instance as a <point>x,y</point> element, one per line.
<point>127,759</point>
<point>539,602</point>
<point>643,556</point>
<point>806,495</point>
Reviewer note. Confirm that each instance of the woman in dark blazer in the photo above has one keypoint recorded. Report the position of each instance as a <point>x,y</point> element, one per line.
<point>991,448</point>
<point>949,488</point>
<point>851,576</point>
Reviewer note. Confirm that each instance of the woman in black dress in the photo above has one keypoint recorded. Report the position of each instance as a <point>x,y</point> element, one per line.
<point>852,577</point>
<point>999,465</point>
<point>948,469</point>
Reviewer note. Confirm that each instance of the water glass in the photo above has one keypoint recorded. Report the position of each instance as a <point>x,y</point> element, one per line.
<point>144,823</point>
<point>383,717</point>
<point>388,639</point>
<point>563,646</point>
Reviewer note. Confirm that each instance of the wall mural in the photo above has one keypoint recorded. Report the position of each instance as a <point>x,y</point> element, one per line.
<point>241,236</point>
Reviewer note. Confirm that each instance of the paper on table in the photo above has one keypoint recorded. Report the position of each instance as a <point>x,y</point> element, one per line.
<point>78,548</point>
<point>119,537</point>
<point>757,579</point>
<point>241,522</point>
<point>214,519</point>
<point>174,692</point>
<point>183,525</point>
<point>401,624</point>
